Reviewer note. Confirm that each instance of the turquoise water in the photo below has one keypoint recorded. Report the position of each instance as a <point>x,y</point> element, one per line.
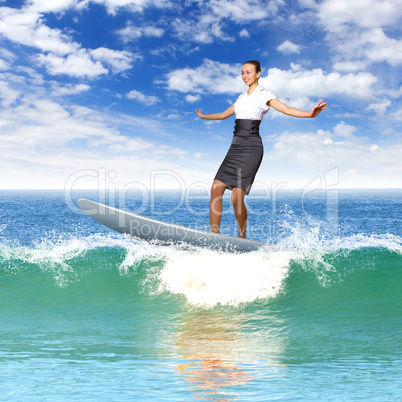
<point>87,314</point>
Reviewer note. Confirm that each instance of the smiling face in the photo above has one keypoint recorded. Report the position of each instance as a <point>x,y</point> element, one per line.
<point>249,74</point>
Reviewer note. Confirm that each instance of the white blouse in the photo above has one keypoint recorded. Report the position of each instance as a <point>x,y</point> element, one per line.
<point>254,106</point>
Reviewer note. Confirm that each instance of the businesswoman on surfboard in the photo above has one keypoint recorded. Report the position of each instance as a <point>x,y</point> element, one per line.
<point>244,157</point>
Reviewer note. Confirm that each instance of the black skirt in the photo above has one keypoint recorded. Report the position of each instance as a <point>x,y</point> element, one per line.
<point>244,157</point>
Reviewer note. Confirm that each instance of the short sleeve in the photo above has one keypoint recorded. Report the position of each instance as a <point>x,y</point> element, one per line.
<point>267,96</point>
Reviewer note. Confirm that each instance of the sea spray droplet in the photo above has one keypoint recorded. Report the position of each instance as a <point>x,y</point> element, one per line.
<point>207,278</point>
<point>57,254</point>
<point>141,256</point>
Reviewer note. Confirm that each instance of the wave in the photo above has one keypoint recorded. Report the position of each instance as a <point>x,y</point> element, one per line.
<point>205,278</point>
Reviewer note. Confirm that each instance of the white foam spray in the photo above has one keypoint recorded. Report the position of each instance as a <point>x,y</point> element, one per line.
<point>207,278</point>
<point>54,253</point>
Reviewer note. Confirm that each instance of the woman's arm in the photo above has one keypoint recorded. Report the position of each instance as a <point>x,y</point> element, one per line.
<point>217,116</point>
<point>292,111</point>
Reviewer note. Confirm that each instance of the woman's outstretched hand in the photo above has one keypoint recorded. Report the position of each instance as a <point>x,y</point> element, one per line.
<point>317,109</point>
<point>216,116</point>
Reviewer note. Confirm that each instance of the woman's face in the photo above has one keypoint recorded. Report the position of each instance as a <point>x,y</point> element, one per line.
<point>248,74</point>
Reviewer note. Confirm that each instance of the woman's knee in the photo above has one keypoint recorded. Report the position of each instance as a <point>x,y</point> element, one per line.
<point>217,189</point>
<point>237,197</point>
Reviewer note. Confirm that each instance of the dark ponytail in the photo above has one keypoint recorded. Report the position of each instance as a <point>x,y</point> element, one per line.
<point>255,63</point>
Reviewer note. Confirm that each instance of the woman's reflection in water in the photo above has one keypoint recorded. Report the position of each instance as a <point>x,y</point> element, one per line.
<point>209,342</point>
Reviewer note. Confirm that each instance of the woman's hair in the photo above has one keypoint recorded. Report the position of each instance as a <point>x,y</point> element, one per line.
<point>255,63</point>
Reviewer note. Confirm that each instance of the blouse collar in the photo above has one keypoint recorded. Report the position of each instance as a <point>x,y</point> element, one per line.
<point>259,88</point>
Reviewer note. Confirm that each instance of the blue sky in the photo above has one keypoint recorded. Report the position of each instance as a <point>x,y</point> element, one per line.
<point>103,92</point>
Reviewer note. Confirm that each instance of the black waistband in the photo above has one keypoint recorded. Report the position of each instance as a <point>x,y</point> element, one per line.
<point>246,127</point>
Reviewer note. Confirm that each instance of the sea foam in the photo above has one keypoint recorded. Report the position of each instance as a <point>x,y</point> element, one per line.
<point>207,278</point>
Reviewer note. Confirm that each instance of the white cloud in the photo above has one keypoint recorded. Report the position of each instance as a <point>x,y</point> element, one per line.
<point>131,145</point>
<point>69,89</point>
<point>297,157</point>
<point>193,98</point>
<point>349,65</point>
<point>119,60</point>
<point>344,130</point>
<point>208,25</point>
<point>88,63</point>
<point>131,33</point>
<point>4,65</point>
<point>170,116</point>
<point>8,95</point>
<point>379,47</point>
<point>394,92</point>
<point>44,141</point>
<point>244,33</point>
<point>31,117</point>
<point>210,77</point>
<point>386,111</point>
<point>396,116</point>
<point>200,155</point>
<point>241,11</point>
<point>205,31</point>
<point>60,54</point>
<point>288,47</point>
<point>140,97</point>
<point>336,15</point>
<point>78,64</point>
<point>307,3</point>
<point>46,124</point>
<point>55,6</point>
<point>369,46</point>
<point>113,6</point>
<point>32,76</point>
<point>380,107</point>
<point>25,26</point>
<point>356,31</point>
<point>297,83</point>
<point>6,59</point>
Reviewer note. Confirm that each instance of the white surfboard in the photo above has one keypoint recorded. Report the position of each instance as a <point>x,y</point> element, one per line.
<point>163,233</point>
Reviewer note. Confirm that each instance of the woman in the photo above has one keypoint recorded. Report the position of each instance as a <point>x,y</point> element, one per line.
<point>244,157</point>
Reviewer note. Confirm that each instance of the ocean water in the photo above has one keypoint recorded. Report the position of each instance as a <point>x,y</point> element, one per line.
<point>88,314</point>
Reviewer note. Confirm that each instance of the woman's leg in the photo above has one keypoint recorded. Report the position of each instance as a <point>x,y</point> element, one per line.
<point>215,205</point>
<point>240,209</point>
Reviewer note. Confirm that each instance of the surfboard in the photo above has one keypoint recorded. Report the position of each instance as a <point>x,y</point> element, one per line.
<point>163,233</point>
